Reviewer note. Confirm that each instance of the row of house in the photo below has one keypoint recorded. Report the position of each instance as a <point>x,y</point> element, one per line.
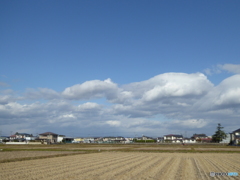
<point>49,137</point>
<point>175,138</point>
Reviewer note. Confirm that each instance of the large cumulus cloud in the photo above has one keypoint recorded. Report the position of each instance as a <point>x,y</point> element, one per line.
<point>91,89</point>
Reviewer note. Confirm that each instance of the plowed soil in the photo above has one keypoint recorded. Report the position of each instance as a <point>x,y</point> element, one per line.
<point>27,154</point>
<point>124,166</point>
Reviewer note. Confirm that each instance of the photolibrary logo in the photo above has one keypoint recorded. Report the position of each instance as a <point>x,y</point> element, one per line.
<point>213,174</point>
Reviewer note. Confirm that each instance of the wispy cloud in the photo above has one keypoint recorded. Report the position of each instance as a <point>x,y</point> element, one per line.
<point>3,84</point>
<point>231,68</point>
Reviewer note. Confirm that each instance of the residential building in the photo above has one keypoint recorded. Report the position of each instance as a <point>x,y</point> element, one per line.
<point>202,138</point>
<point>88,140</point>
<point>113,139</point>
<point>78,140</point>
<point>235,137</point>
<point>48,137</point>
<point>68,139</point>
<point>160,139</point>
<point>227,139</point>
<point>174,138</point>
<point>60,138</point>
<point>199,136</point>
<point>21,137</point>
<point>189,140</point>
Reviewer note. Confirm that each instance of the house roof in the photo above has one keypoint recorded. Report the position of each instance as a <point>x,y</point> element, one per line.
<point>238,130</point>
<point>175,135</point>
<point>22,134</point>
<point>68,138</point>
<point>48,133</point>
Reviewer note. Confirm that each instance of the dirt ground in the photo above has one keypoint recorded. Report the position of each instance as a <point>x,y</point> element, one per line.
<point>8,155</point>
<point>124,166</point>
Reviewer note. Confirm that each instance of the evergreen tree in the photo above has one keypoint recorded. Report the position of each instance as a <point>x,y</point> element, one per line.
<point>219,134</point>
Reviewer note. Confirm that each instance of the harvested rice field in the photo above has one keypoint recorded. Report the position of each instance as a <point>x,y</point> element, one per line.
<point>8,155</point>
<point>109,165</point>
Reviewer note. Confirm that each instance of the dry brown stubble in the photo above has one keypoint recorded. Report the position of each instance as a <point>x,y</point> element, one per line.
<point>124,166</point>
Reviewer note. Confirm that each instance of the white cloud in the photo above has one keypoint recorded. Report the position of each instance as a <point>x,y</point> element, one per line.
<point>6,99</point>
<point>68,116</point>
<point>89,106</point>
<point>114,123</point>
<point>186,101</point>
<point>232,68</point>
<point>225,95</point>
<point>41,93</point>
<point>190,123</point>
<point>3,84</point>
<point>170,84</point>
<point>91,89</point>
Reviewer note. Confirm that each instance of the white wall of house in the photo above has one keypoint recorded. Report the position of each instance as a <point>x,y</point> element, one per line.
<point>59,139</point>
<point>171,137</point>
<point>227,140</point>
<point>30,138</point>
<point>189,141</point>
<point>177,141</point>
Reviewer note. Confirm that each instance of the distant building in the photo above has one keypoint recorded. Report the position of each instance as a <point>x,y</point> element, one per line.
<point>202,138</point>
<point>160,139</point>
<point>21,137</point>
<point>78,140</point>
<point>48,137</point>
<point>199,136</point>
<point>113,139</point>
<point>173,138</point>
<point>189,140</point>
<point>227,139</point>
<point>60,138</point>
<point>68,140</point>
<point>235,137</point>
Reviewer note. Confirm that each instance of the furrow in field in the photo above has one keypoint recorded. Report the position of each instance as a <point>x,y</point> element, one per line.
<point>167,171</point>
<point>127,171</point>
<point>56,164</point>
<point>110,171</point>
<point>207,167</point>
<point>60,165</point>
<point>200,173</point>
<point>188,170</point>
<point>93,165</point>
<point>180,168</point>
<point>146,171</point>
<point>226,162</point>
<point>103,168</point>
<point>221,167</point>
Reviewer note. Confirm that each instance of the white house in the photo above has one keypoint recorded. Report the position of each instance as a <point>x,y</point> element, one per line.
<point>227,139</point>
<point>188,140</point>
<point>235,137</point>
<point>48,137</point>
<point>174,138</point>
<point>60,138</point>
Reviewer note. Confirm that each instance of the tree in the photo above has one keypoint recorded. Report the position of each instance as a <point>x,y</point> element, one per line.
<point>219,134</point>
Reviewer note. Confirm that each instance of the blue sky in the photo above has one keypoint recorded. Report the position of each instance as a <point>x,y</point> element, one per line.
<point>93,67</point>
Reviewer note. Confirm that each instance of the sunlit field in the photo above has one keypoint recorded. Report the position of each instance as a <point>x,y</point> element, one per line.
<point>117,161</point>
